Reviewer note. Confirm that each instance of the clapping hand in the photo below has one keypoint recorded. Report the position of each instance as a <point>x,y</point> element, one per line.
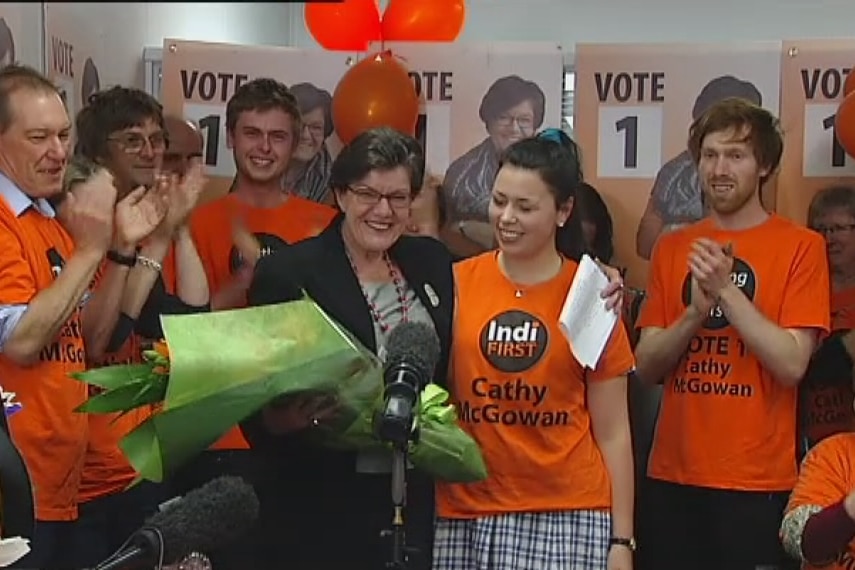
<point>183,196</point>
<point>711,265</point>
<point>89,210</point>
<point>246,244</point>
<point>137,215</point>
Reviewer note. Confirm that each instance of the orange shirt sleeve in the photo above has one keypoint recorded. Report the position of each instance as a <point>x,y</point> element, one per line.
<point>822,479</point>
<point>169,272</point>
<point>17,282</point>
<point>653,312</point>
<point>807,297</point>
<point>617,359</point>
<point>200,221</point>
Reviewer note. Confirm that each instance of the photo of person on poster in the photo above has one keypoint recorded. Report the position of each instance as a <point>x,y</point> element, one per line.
<point>676,198</point>
<point>308,174</point>
<point>91,82</point>
<point>512,109</point>
<point>7,44</point>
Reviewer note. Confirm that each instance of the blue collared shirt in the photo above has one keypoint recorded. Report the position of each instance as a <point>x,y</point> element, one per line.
<point>19,202</point>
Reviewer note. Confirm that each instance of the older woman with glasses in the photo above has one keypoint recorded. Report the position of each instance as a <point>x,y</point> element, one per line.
<point>325,509</point>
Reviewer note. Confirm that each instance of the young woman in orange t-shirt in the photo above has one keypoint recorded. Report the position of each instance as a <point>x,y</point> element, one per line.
<point>819,521</point>
<point>555,435</point>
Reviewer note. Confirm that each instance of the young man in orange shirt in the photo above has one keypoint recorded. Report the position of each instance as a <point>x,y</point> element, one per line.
<point>122,131</point>
<point>735,306</point>
<point>48,320</point>
<point>263,126</point>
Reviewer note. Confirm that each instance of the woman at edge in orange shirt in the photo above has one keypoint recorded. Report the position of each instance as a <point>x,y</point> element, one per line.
<point>554,435</point>
<point>819,521</point>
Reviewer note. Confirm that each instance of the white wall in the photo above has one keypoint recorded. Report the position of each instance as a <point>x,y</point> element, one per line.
<point>580,21</point>
<point>118,32</point>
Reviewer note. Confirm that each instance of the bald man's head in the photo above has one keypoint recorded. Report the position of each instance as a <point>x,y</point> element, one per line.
<point>185,143</point>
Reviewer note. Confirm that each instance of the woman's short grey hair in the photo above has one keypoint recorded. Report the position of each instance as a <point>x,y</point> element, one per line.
<point>508,92</point>
<point>381,148</point>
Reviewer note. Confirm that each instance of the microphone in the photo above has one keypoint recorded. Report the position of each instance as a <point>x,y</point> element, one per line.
<point>203,520</point>
<point>413,352</point>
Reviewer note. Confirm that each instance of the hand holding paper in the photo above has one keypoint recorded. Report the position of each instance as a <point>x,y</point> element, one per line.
<point>585,319</point>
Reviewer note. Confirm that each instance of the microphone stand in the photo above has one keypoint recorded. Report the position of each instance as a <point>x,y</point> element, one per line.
<point>400,550</point>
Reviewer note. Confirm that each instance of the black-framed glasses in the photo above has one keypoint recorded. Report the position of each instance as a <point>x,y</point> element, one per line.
<point>316,130</point>
<point>132,143</point>
<point>371,197</point>
<point>524,123</point>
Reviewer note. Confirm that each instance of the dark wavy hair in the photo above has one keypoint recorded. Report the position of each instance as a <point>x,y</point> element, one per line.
<point>559,166</point>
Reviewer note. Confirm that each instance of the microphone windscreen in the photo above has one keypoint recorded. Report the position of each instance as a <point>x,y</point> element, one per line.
<point>206,518</point>
<point>415,344</point>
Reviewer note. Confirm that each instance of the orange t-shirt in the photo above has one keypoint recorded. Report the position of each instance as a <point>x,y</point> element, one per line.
<point>828,410</point>
<point>724,422</point>
<point>50,436</point>
<point>106,470</point>
<point>211,225</point>
<point>520,394</point>
<point>826,477</point>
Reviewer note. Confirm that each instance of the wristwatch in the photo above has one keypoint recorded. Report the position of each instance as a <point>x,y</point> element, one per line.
<point>625,542</point>
<point>126,260</point>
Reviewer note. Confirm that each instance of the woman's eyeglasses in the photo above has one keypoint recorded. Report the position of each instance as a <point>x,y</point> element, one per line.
<point>133,143</point>
<point>371,197</point>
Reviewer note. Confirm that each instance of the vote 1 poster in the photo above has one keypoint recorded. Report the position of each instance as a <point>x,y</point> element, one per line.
<point>633,108</point>
<point>20,34</point>
<point>812,77</point>
<point>476,101</point>
<point>199,78</point>
<point>70,56</point>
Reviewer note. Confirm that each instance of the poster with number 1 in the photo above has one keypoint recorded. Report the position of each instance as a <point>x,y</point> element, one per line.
<point>812,77</point>
<point>633,108</point>
<point>477,100</point>
<point>199,78</point>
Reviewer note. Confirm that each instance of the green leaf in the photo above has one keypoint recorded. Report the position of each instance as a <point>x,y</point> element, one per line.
<point>119,399</point>
<point>111,377</point>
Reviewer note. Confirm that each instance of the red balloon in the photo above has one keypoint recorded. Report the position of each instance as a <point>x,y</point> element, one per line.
<point>844,124</point>
<point>349,25</point>
<point>423,20</point>
<point>376,92</point>
<point>849,85</point>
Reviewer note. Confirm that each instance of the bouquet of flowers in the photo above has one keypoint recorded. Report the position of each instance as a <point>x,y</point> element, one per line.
<point>214,370</point>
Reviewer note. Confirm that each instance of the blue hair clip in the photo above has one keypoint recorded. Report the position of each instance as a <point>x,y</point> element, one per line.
<point>553,135</point>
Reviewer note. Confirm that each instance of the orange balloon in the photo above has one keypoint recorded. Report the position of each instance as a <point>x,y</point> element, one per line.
<point>423,20</point>
<point>376,92</point>
<point>844,124</point>
<point>849,85</point>
<point>348,25</point>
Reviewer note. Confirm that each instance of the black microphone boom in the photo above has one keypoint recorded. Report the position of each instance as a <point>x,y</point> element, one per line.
<point>202,521</point>
<point>413,352</point>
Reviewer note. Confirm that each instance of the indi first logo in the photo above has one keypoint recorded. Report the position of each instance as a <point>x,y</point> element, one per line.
<point>514,341</point>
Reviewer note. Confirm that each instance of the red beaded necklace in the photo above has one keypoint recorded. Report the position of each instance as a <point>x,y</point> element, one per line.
<point>401,292</point>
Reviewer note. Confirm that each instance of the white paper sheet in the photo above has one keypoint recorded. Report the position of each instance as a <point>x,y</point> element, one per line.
<point>585,321</point>
<point>12,550</point>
